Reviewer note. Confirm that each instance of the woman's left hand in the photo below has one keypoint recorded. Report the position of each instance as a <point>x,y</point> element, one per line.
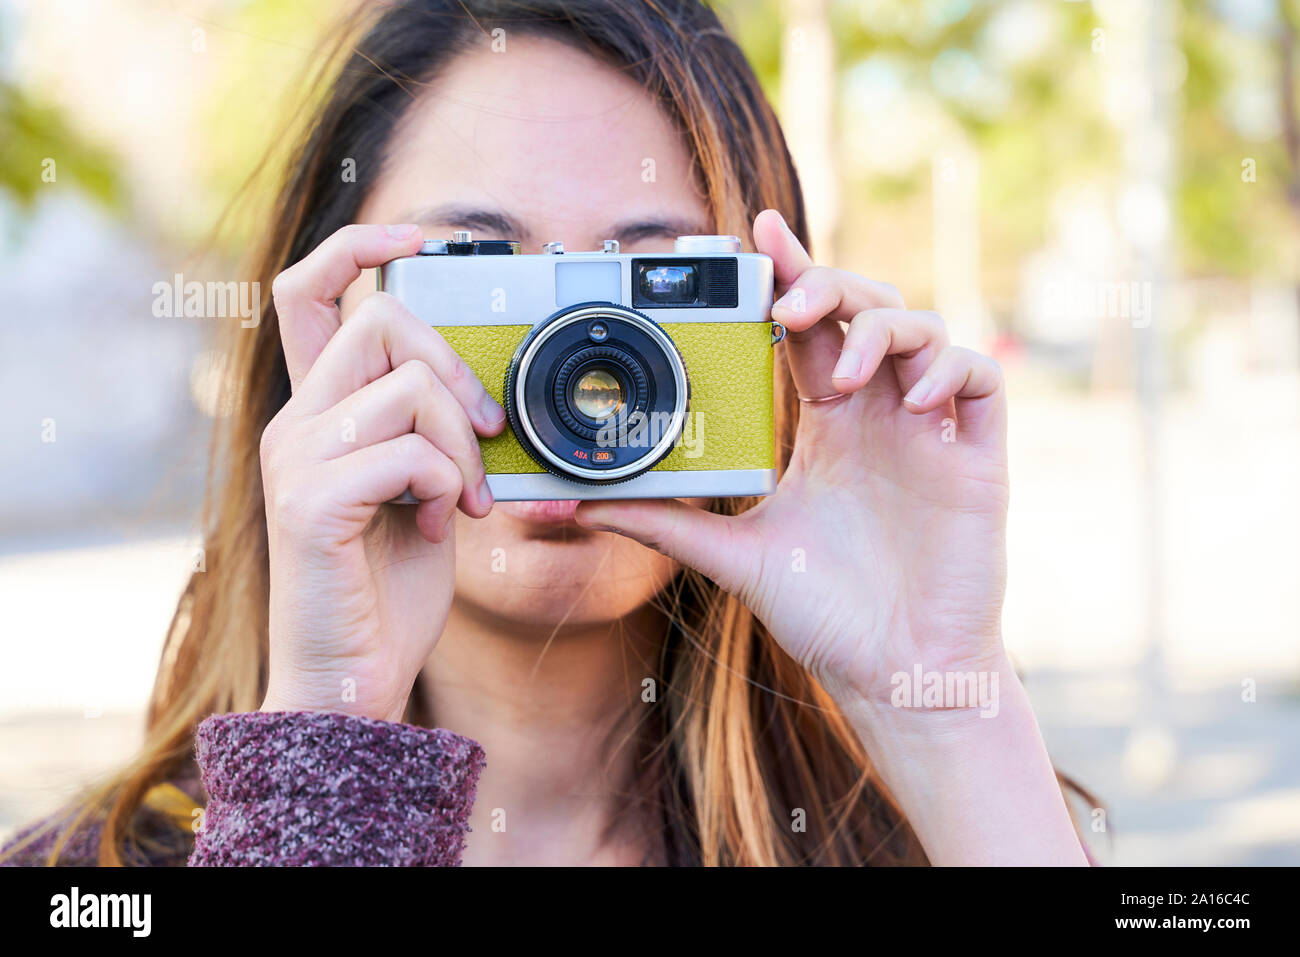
<point>883,546</point>
<point>882,552</point>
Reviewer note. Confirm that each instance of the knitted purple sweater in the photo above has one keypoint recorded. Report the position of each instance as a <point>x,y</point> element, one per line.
<point>307,788</point>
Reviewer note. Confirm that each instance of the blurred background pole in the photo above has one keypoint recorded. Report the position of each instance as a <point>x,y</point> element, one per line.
<point>807,103</point>
<point>954,214</point>
<point>1145,217</point>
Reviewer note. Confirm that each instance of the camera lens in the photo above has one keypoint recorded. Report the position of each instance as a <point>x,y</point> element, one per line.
<point>597,409</point>
<point>669,284</point>
<point>597,394</point>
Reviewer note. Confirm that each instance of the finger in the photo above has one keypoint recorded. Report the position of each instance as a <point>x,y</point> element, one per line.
<point>377,338</point>
<point>824,293</point>
<point>774,238</point>
<point>976,383</point>
<point>305,293</point>
<point>692,536</point>
<point>411,398</point>
<point>367,478</point>
<point>913,338</point>
<point>812,302</point>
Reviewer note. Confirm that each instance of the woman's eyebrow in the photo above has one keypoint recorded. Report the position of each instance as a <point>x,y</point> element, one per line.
<point>636,230</point>
<point>473,218</point>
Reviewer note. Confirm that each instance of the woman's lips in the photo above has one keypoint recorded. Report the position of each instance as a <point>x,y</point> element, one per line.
<point>551,513</point>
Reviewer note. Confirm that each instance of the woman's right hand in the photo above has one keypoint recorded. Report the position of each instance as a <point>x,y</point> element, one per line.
<point>381,404</point>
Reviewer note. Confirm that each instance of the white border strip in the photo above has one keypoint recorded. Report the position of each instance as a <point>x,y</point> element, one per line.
<point>706,483</point>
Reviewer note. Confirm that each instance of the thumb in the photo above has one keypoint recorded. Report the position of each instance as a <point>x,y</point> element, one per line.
<point>701,540</point>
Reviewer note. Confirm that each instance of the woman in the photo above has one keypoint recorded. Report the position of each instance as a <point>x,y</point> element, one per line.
<point>651,682</point>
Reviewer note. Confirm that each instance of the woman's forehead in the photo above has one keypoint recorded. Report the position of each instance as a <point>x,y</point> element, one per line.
<point>540,142</point>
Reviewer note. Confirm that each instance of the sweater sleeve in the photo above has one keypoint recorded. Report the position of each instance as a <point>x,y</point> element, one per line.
<point>315,788</point>
<point>161,833</point>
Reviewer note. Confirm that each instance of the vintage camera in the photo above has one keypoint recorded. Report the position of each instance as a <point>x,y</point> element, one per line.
<point>623,376</point>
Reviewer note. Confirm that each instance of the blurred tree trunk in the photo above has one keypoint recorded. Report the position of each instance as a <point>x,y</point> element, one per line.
<point>807,105</point>
<point>955,218</point>
<point>1287,17</point>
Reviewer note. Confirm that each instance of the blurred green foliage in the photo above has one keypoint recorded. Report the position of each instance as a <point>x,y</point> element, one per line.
<point>1050,128</point>
<point>260,111</point>
<point>1228,226</point>
<point>32,134</point>
<point>1035,114</point>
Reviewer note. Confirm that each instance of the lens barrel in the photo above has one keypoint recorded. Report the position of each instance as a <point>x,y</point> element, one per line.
<point>597,393</point>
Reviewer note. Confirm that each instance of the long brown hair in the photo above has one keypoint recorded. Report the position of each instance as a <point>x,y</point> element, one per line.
<point>744,737</point>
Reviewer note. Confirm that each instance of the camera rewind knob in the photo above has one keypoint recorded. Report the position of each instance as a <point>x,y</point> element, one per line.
<point>707,244</point>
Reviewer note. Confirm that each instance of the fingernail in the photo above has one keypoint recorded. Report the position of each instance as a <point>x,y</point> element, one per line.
<point>848,366</point>
<point>790,232</point>
<point>787,301</point>
<point>404,231</point>
<point>919,392</point>
<point>491,410</point>
<point>485,495</point>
